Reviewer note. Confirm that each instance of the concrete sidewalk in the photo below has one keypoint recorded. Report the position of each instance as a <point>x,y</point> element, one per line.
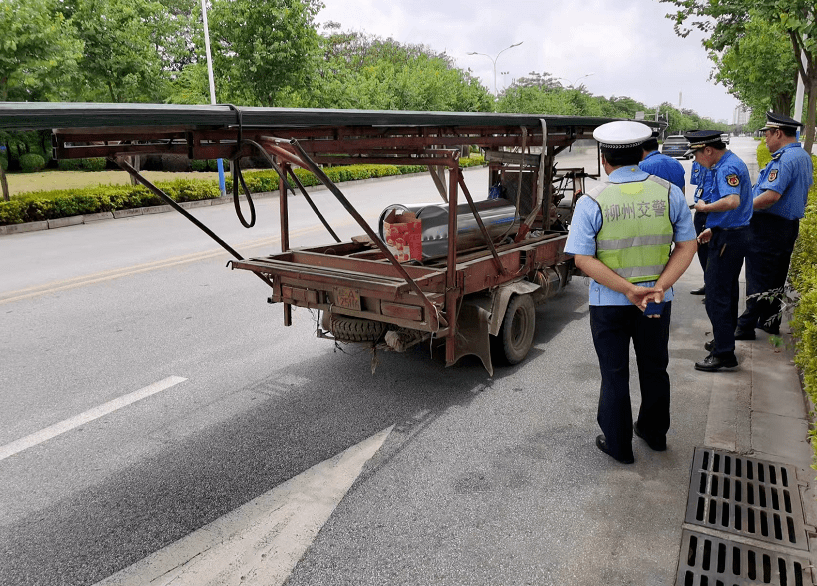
<point>760,416</point>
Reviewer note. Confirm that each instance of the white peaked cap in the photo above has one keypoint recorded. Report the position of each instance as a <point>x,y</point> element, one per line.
<point>622,134</point>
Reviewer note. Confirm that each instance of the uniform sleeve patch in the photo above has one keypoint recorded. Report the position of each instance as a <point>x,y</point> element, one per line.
<point>772,175</point>
<point>733,180</point>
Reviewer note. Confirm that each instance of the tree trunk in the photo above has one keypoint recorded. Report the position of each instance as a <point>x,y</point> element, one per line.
<point>782,103</point>
<point>4,184</point>
<point>810,115</point>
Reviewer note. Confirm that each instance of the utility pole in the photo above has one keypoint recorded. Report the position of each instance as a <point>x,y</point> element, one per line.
<point>220,162</point>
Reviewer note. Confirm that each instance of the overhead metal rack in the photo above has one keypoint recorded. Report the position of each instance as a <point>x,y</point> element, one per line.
<point>36,115</point>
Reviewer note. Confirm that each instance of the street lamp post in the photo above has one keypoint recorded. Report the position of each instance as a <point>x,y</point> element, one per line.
<point>221,182</point>
<point>493,60</point>
<point>573,85</point>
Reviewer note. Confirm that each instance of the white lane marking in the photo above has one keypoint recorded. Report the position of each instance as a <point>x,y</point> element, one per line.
<point>46,434</point>
<point>261,541</point>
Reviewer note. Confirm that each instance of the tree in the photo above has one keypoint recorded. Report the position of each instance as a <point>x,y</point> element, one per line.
<point>367,72</point>
<point>262,47</point>
<point>726,21</point>
<point>539,99</point>
<point>121,61</point>
<point>39,53</point>
<point>759,69</point>
<point>541,80</point>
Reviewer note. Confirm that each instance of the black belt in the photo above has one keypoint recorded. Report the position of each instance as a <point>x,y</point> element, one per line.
<point>720,229</point>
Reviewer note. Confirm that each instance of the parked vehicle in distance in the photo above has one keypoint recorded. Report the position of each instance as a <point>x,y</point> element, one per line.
<point>675,146</point>
<point>725,138</point>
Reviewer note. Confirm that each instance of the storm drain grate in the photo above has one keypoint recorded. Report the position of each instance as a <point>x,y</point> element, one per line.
<point>709,561</point>
<point>746,496</point>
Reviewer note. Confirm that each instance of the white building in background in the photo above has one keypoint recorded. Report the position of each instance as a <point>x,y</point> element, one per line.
<point>741,115</point>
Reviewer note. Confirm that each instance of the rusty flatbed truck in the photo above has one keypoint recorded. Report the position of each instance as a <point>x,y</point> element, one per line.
<point>482,272</point>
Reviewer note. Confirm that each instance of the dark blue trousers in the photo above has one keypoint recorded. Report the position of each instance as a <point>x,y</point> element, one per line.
<point>613,327</point>
<point>767,266</point>
<point>723,264</point>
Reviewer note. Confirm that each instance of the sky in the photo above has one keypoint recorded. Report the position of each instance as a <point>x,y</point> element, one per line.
<point>612,47</point>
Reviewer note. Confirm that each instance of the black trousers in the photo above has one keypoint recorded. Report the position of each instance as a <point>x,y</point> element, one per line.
<point>723,264</point>
<point>613,327</point>
<point>699,221</point>
<point>767,266</point>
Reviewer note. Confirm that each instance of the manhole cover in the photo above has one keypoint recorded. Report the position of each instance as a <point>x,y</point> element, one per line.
<point>709,561</point>
<point>746,496</point>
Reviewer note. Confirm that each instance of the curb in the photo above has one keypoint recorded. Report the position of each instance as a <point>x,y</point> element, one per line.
<point>132,212</point>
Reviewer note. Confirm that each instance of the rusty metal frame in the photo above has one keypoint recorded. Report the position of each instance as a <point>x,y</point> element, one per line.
<point>439,291</point>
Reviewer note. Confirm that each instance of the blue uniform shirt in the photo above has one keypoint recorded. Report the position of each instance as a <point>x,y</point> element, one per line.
<point>731,176</point>
<point>587,220</point>
<point>664,167</point>
<point>790,174</point>
<point>702,179</point>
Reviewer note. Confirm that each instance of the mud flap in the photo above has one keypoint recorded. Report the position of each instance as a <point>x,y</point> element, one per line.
<point>473,327</point>
<point>502,296</point>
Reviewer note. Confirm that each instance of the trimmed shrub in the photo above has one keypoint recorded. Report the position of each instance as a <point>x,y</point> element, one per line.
<point>94,164</point>
<point>69,164</point>
<point>198,165</point>
<point>30,162</point>
<point>175,163</point>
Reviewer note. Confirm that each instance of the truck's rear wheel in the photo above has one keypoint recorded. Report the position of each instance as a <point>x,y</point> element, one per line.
<point>352,329</point>
<point>515,337</point>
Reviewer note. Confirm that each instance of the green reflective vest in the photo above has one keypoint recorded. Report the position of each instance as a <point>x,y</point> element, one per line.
<point>636,231</point>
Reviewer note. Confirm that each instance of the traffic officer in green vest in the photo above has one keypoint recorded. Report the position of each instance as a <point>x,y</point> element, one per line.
<point>728,213</point>
<point>622,236</point>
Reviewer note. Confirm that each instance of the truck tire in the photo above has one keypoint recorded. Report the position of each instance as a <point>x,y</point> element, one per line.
<point>515,337</point>
<point>352,329</point>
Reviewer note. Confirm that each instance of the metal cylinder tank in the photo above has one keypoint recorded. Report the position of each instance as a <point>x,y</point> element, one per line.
<point>498,215</point>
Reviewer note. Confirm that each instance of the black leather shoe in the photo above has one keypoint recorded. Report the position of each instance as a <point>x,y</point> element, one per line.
<point>773,330</point>
<point>709,345</point>
<point>656,446</point>
<point>744,334</point>
<point>601,444</point>
<point>714,363</point>
<point>699,291</point>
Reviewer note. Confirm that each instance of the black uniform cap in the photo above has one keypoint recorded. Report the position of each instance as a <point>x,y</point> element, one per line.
<point>698,139</point>
<point>779,121</point>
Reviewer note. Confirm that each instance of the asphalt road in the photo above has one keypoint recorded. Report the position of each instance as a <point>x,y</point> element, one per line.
<point>95,312</point>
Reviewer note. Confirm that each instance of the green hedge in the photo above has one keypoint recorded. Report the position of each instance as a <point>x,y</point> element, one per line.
<point>267,180</point>
<point>94,164</point>
<point>50,205</point>
<point>803,279</point>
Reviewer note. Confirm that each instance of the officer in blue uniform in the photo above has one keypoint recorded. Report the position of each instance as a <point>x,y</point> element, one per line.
<point>661,165</point>
<point>621,235</point>
<point>727,232</point>
<point>780,198</point>
<point>702,180</point>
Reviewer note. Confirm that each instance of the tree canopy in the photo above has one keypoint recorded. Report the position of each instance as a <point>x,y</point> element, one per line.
<point>730,25</point>
<point>265,53</point>
<point>39,51</point>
